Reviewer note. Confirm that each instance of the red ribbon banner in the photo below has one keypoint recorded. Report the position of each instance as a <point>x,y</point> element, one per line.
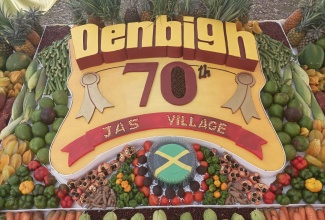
<point>86,143</point>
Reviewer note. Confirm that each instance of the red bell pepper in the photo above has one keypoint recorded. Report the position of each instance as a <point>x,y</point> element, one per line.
<point>66,202</point>
<point>269,197</point>
<point>283,178</point>
<point>49,179</point>
<point>299,162</point>
<point>40,173</point>
<point>33,165</point>
<point>292,171</point>
<point>62,191</point>
<point>276,187</point>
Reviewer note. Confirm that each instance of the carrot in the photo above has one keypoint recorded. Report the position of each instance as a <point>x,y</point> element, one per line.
<point>267,214</point>
<point>282,215</point>
<point>310,213</point>
<point>296,216</point>
<point>291,211</point>
<point>78,214</point>
<point>38,216</point>
<point>320,214</point>
<point>10,216</point>
<point>25,216</point>
<point>302,212</point>
<point>17,215</point>
<point>62,215</point>
<point>49,215</point>
<point>274,217</point>
<point>56,215</point>
<point>274,212</point>
<point>285,210</point>
<point>71,215</point>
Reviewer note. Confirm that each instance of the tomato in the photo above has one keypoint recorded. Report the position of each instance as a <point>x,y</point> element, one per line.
<point>138,180</point>
<point>164,201</point>
<point>141,152</point>
<point>199,155</point>
<point>206,176</point>
<point>145,190</point>
<point>135,170</point>
<point>198,196</point>
<point>188,198</point>
<point>147,145</point>
<point>196,147</point>
<point>153,200</point>
<point>204,163</point>
<point>204,186</point>
<point>135,162</point>
<point>176,201</point>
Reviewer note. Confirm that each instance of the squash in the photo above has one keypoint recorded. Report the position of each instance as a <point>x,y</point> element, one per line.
<point>186,216</point>
<point>85,216</point>
<point>209,214</point>
<point>138,216</point>
<point>159,215</point>
<point>110,216</point>
<point>312,55</point>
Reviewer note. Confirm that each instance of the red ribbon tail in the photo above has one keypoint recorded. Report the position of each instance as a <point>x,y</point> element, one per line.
<point>251,142</point>
<point>77,149</point>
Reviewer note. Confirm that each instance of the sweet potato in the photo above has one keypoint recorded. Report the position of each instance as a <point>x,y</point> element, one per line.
<point>320,97</point>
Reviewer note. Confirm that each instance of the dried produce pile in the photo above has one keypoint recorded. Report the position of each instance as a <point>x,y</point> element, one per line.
<point>275,31</point>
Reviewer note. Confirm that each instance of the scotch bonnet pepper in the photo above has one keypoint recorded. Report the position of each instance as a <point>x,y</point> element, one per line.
<point>309,197</point>
<point>299,162</point>
<point>283,199</point>
<point>26,187</point>
<point>305,174</point>
<point>294,195</point>
<point>291,170</point>
<point>26,201</point>
<point>40,202</point>
<point>297,183</point>
<point>321,196</point>
<point>283,178</point>
<point>269,197</point>
<point>313,185</point>
<point>22,171</point>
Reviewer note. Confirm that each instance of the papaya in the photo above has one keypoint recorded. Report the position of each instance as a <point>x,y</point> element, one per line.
<point>17,61</point>
<point>3,60</point>
<point>311,55</point>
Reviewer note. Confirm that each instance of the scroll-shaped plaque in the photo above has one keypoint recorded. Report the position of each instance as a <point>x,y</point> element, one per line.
<point>242,99</point>
<point>92,98</point>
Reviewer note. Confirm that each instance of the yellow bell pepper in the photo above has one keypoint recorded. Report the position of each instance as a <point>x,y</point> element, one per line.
<point>124,184</point>
<point>313,185</point>
<point>26,187</point>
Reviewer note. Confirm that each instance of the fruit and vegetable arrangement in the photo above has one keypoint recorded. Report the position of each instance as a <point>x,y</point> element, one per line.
<point>34,101</point>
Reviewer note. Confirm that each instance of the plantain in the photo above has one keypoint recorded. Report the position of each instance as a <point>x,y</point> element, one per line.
<point>17,107</point>
<point>40,86</point>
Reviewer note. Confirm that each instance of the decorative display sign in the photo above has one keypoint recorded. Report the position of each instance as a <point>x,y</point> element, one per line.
<point>198,79</point>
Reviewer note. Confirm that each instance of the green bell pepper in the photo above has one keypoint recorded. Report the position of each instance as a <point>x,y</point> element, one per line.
<point>305,174</point>
<point>26,201</point>
<point>294,195</point>
<point>309,197</point>
<point>53,202</point>
<point>38,189</point>
<point>2,203</point>
<point>321,177</point>
<point>14,180</point>
<point>11,203</point>
<point>314,170</point>
<point>40,201</point>
<point>49,191</point>
<point>321,197</point>
<point>312,55</point>
<point>297,183</point>
<point>22,171</point>
<point>283,199</point>
<point>14,191</point>
<point>4,190</point>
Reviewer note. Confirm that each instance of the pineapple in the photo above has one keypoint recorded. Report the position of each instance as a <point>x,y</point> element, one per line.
<point>146,12</point>
<point>131,12</point>
<point>198,9</point>
<point>5,48</point>
<point>24,24</point>
<point>295,18</point>
<point>295,35</point>
<point>77,12</point>
<point>164,7</point>
<point>182,9</point>
<point>313,34</point>
<point>34,15</point>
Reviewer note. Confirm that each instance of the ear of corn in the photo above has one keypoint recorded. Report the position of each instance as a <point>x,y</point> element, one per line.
<point>31,69</point>
<point>302,88</point>
<point>317,110</point>
<point>32,82</point>
<point>28,105</point>
<point>40,86</point>
<point>301,73</point>
<point>9,129</point>
<point>305,108</point>
<point>17,107</point>
<point>287,75</point>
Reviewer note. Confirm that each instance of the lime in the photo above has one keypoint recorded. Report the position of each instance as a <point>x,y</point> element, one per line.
<point>290,151</point>
<point>271,87</point>
<point>46,102</point>
<point>289,90</point>
<point>43,155</point>
<point>294,103</point>
<point>24,132</point>
<point>276,110</point>
<point>36,116</point>
<point>56,124</point>
<point>40,129</point>
<point>300,143</point>
<point>266,99</point>
<point>60,97</point>
<point>284,138</point>
<point>277,123</point>
<point>49,137</point>
<point>281,98</point>
<point>306,122</point>
<point>321,43</point>
<point>291,128</point>
<point>36,144</point>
